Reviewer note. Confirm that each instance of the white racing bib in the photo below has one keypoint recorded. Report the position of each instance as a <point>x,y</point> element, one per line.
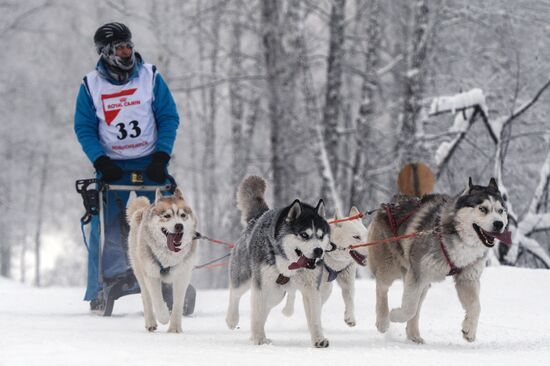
<point>127,127</point>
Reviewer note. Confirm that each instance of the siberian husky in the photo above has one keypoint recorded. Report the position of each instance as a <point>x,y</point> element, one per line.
<point>455,236</point>
<point>278,250</point>
<point>339,264</point>
<point>162,248</point>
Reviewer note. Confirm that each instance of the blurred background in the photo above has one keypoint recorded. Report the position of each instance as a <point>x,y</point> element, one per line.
<point>323,98</point>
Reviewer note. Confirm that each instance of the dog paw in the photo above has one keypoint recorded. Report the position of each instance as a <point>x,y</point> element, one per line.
<point>163,315</point>
<point>231,322</point>
<point>414,337</point>
<point>399,316</point>
<point>260,340</point>
<point>469,330</point>
<point>173,328</point>
<point>323,343</point>
<point>151,326</point>
<point>350,321</point>
<point>383,324</point>
<point>468,335</point>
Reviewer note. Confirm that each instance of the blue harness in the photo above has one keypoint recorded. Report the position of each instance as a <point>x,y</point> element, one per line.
<point>163,270</point>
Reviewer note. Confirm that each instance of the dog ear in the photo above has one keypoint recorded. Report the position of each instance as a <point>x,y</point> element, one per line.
<point>468,188</point>
<point>178,194</point>
<point>337,214</point>
<point>493,184</point>
<point>158,195</point>
<point>321,208</point>
<point>295,211</point>
<point>354,211</point>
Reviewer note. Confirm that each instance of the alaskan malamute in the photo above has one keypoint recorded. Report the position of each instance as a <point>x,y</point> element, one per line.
<point>278,250</point>
<point>455,236</point>
<point>162,248</point>
<point>339,264</point>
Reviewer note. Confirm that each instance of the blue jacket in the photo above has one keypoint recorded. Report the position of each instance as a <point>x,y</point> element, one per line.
<point>164,110</point>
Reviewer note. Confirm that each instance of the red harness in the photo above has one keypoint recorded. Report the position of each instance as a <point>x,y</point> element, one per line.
<point>454,269</point>
<point>391,208</point>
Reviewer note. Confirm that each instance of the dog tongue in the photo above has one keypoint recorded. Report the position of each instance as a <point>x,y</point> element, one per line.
<point>302,262</point>
<point>174,241</point>
<point>505,237</point>
<point>359,258</point>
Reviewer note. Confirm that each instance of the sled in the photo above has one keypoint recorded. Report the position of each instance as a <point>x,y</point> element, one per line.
<point>94,196</point>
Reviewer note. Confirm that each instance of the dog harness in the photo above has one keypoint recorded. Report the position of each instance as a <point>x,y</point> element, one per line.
<point>392,210</point>
<point>163,270</point>
<point>332,274</point>
<point>282,279</point>
<point>454,269</point>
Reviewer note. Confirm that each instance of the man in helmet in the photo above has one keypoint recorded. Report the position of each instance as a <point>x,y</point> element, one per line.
<point>126,121</point>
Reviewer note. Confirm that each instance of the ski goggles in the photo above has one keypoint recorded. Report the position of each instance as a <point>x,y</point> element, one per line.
<point>121,45</point>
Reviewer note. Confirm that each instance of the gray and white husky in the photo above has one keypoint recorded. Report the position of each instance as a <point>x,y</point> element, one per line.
<point>278,250</point>
<point>455,236</point>
<point>162,248</point>
<point>339,264</point>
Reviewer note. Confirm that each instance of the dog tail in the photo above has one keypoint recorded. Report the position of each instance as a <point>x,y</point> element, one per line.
<point>136,208</point>
<point>250,198</point>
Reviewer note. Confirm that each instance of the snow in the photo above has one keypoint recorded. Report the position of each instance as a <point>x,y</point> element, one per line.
<point>52,326</point>
<point>531,222</point>
<point>461,101</point>
<point>460,126</point>
<point>543,182</point>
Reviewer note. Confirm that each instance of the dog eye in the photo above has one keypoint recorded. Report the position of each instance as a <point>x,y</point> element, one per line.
<point>483,209</point>
<point>166,216</point>
<point>500,211</point>
<point>356,237</point>
<point>304,235</point>
<point>183,216</point>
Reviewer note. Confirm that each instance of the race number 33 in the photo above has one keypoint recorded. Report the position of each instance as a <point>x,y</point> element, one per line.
<point>123,128</point>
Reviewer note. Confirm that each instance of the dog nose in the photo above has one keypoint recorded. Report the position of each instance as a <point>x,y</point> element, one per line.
<point>498,225</point>
<point>317,252</point>
<point>178,228</point>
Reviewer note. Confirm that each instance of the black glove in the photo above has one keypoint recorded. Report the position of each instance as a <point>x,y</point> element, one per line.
<point>109,170</point>
<point>156,171</point>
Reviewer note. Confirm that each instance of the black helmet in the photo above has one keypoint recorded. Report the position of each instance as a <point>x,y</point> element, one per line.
<point>111,33</point>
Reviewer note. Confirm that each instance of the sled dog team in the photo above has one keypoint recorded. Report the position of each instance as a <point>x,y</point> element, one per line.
<point>294,248</point>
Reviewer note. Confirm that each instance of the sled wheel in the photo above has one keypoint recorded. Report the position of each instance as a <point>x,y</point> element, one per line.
<point>110,294</point>
<point>189,301</point>
<point>102,306</point>
<point>109,304</point>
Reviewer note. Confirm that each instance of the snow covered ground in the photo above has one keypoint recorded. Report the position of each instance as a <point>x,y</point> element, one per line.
<point>52,326</point>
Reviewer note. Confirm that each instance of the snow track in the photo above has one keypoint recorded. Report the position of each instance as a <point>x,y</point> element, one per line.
<point>52,326</point>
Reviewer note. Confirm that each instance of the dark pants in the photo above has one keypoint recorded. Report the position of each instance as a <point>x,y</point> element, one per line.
<point>114,261</point>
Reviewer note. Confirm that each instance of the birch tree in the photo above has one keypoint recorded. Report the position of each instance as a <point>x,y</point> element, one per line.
<point>414,81</point>
<point>333,93</point>
<point>367,108</point>
<point>280,61</point>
